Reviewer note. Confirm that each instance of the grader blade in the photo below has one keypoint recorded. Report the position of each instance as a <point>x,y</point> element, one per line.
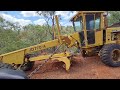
<point>63,57</point>
<point>66,61</point>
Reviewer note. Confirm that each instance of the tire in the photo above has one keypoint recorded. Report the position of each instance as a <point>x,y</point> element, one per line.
<point>110,55</point>
<point>28,66</point>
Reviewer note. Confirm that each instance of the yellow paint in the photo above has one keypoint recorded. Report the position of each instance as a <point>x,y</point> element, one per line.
<point>65,60</point>
<point>17,56</point>
<point>85,12</point>
<point>108,34</point>
<point>102,22</point>
<point>58,28</point>
<point>73,39</point>
<point>85,31</point>
<point>99,38</point>
<point>42,57</point>
<point>61,57</point>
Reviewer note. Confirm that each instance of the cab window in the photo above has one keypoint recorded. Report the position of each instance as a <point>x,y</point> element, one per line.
<point>93,22</point>
<point>78,24</point>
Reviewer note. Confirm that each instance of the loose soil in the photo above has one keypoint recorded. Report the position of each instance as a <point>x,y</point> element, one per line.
<point>81,68</point>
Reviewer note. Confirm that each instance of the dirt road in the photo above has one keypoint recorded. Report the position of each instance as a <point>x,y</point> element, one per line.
<point>90,68</point>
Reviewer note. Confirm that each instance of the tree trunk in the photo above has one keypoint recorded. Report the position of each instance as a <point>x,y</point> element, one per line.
<point>53,34</point>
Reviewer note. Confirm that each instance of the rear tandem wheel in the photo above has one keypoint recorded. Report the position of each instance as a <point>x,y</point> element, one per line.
<point>110,55</point>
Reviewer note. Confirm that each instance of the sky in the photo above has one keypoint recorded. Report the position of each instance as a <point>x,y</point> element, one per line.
<point>24,18</point>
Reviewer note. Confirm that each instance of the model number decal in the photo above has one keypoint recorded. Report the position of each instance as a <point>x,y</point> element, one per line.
<point>37,48</point>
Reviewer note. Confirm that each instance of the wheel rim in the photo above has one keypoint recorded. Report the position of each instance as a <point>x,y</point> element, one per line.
<point>116,55</point>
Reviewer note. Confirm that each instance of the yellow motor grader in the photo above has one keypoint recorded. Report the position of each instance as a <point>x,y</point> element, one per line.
<point>91,36</point>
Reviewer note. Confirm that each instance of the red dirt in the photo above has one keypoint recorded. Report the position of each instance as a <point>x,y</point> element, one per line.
<point>90,68</point>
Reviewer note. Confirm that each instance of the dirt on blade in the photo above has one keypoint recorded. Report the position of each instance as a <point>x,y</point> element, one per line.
<point>88,68</point>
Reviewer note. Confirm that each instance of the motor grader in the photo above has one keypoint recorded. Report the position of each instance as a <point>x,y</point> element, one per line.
<point>91,36</point>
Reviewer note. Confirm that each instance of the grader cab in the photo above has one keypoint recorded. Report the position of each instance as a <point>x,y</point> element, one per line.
<point>92,36</point>
<point>96,38</point>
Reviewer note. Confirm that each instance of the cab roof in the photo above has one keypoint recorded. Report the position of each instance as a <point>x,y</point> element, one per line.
<point>85,12</point>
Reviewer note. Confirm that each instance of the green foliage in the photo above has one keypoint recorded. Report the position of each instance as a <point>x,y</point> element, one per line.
<point>34,34</point>
<point>8,41</point>
<point>114,17</point>
<point>12,37</point>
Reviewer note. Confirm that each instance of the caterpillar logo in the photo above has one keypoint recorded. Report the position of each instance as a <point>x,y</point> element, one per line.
<point>37,48</point>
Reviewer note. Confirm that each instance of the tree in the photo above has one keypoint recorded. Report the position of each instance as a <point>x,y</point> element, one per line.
<point>9,25</point>
<point>114,17</point>
<point>34,34</point>
<point>48,15</point>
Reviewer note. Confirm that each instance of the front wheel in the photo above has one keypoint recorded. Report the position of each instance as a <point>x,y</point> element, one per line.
<point>27,66</point>
<point>110,55</point>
